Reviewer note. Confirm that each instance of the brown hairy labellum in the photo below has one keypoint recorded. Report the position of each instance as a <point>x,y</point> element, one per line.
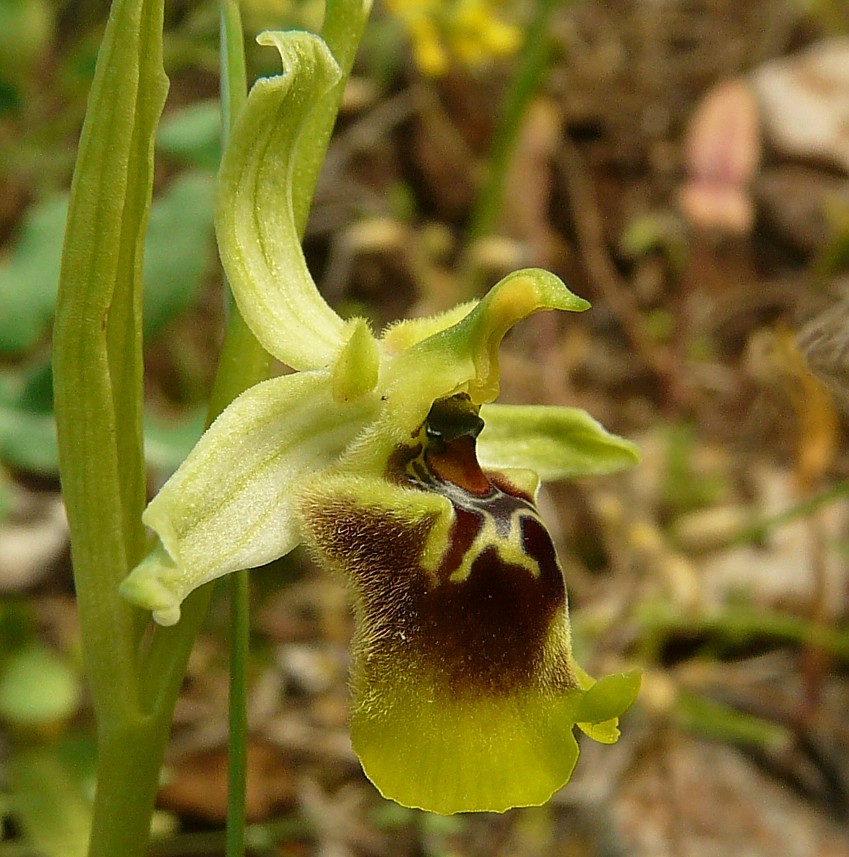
<point>489,616</point>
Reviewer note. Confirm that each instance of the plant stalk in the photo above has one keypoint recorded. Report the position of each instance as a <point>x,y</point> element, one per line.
<point>533,62</point>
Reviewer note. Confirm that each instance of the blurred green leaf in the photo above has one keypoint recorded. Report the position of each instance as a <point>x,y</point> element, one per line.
<point>684,488</point>
<point>193,134</point>
<point>26,28</point>
<point>10,98</point>
<point>17,625</point>
<point>724,723</point>
<point>177,253</point>
<point>27,439</point>
<point>5,496</point>
<point>166,444</point>
<point>48,802</point>
<point>28,278</point>
<point>178,249</point>
<point>28,430</point>
<point>38,688</point>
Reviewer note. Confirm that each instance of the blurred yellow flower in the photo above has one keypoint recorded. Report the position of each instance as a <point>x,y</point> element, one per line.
<point>471,32</point>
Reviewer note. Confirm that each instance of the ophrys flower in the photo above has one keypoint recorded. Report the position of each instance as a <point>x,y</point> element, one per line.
<point>386,456</point>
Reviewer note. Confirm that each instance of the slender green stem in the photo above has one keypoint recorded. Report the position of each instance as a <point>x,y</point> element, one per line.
<point>760,529</point>
<point>234,76</point>
<point>240,345</point>
<point>237,755</point>
<point>533,62</point>
<point>344,22</point>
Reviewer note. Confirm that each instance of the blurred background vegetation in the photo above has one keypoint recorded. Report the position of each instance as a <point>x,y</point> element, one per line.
<point>683,164</point>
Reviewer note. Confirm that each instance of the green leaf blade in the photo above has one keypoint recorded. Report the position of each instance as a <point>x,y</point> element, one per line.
<point>97,341</point>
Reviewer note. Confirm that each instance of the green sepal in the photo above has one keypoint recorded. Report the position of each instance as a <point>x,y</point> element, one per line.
<point>254,218</point>
<point>463,358</point>
<point>231,504</point>
<point>555,442</point>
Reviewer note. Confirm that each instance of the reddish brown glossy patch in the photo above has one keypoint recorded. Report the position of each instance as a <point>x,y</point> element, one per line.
<point>457,463</point>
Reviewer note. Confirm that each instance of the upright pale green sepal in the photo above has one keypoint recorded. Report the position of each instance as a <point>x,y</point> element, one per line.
<point>463,358</point>
<point>257,236</point>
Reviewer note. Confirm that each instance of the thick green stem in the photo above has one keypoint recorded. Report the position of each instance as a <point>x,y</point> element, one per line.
<point>98,387</point>
<point>128,764</point>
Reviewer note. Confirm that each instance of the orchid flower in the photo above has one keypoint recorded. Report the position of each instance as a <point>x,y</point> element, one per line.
<point>387,458</point>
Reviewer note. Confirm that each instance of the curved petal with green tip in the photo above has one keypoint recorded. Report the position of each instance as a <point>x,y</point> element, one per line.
<point>231,503</point>
<point>463,358</point>
<point>555,442</point>
<point>257,237</point>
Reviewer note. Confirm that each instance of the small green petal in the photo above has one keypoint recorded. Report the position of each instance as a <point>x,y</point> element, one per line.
<point>467,352</point>
<point>231,503</point>
<point>155,584</point>
<point>516,297</point>
<point>356,369</point>
<point>556,442</point>
<point>257,237</point>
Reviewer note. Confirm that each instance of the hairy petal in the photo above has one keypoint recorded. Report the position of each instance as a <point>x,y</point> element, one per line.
<point>231,503</point>
<point>555,442</point>
<point>257,237</point>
